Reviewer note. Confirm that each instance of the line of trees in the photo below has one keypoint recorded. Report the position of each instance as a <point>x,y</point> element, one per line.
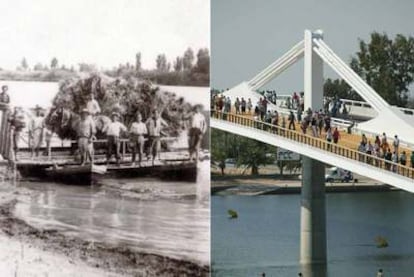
<point>247,152</point>
<point>54,64</point>
<point>188,69</point>
<point>386,64</point>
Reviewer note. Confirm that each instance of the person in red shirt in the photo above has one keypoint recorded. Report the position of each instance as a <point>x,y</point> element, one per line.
<point>336,135</point>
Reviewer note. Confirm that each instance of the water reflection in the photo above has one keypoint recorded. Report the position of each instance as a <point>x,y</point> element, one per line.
<point>171,224</point>
<point>314,270</point>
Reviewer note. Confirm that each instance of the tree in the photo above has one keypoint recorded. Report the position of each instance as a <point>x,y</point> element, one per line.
<point>24,64</point>
<point>54,63</point>
<point>339,88</point>
<point>188,59</point>
<point>218,147</point>
<point>161,63</point>
<point>203,61</point>
<point>253,154</point>
<point>387,66</point>
<point>178,64</point>
<point>138,62</point>
<point>247,152</point>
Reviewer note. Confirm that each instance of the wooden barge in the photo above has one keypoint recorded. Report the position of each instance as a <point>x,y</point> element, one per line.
<point>68,171</point>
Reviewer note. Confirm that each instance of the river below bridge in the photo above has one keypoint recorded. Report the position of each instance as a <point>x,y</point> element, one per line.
<point>146,215</point>
<point>265,236</point>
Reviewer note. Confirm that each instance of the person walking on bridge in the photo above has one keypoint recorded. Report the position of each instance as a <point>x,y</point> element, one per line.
<point>336,135</point>
<point>412,159</point>
<point>292,121</point>
<point>243,106</point>
<point>388,159</point>
<point>237,105</point>
<point>249,105</point>
<point>329,137</point>
<point>396,144</point>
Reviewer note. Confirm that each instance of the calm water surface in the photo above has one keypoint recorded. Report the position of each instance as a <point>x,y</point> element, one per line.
<point>167,218</point>
<point>265,237</point>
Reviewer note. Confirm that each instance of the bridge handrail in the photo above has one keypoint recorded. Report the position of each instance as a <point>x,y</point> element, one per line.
<point>319,143</point>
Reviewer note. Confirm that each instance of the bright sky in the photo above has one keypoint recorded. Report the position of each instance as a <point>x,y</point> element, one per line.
<point>248,35</point>
<point>102,32</point>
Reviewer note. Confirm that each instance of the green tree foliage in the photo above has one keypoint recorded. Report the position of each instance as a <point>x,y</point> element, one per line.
<point>54,63</point>
<point>387,66</point>
<point>247,152</point>
<point>252,153</point>
<point>219,149</point>
<point>188,59</point>
<point>339,88</point>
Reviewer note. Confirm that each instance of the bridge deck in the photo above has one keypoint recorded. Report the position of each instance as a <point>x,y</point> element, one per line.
<point>396,173</point>
<point>347,140</point>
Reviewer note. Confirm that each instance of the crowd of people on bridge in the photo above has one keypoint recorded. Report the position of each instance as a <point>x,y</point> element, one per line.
<point>318,123</point>
<point>384,148</point>
<point>143,136</point>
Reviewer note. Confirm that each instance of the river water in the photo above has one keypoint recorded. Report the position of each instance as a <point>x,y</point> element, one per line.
<point>166,218</point>
<point>265,237</point>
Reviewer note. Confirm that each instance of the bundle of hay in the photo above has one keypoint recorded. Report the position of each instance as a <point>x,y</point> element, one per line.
<point>127,96</point>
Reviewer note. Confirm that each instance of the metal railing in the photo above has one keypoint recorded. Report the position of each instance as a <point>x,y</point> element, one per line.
<point>319,143</point>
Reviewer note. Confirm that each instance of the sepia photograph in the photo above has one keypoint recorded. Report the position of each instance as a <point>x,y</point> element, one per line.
<point>104,143</point>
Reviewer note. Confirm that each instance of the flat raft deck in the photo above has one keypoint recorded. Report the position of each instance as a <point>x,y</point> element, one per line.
<point>170,166</point>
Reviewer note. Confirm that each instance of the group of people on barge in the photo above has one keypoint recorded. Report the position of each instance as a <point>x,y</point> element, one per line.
<point>144,136</point>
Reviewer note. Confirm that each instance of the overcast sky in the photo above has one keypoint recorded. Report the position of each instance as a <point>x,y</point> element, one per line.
<point>248,35</point>
<point>102,32</point>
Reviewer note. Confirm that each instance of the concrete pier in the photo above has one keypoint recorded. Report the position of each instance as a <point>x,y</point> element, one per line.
<point>313,213</point>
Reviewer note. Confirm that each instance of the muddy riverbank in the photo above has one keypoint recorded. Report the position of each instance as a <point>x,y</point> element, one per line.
<point>140,227</point>
<point>119,260</point>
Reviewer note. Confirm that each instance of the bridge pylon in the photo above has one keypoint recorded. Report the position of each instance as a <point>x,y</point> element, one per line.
<point>313,211</point>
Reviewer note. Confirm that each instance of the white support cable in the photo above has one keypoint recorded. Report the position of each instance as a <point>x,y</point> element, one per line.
<point>270,74</point>
<point>355,84</point>
<point>368,93</point>
<point>275,63</point>
<point>369,89</point>
<point>277,71</point>
<point>295,49</point>
<point>374,93</point>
